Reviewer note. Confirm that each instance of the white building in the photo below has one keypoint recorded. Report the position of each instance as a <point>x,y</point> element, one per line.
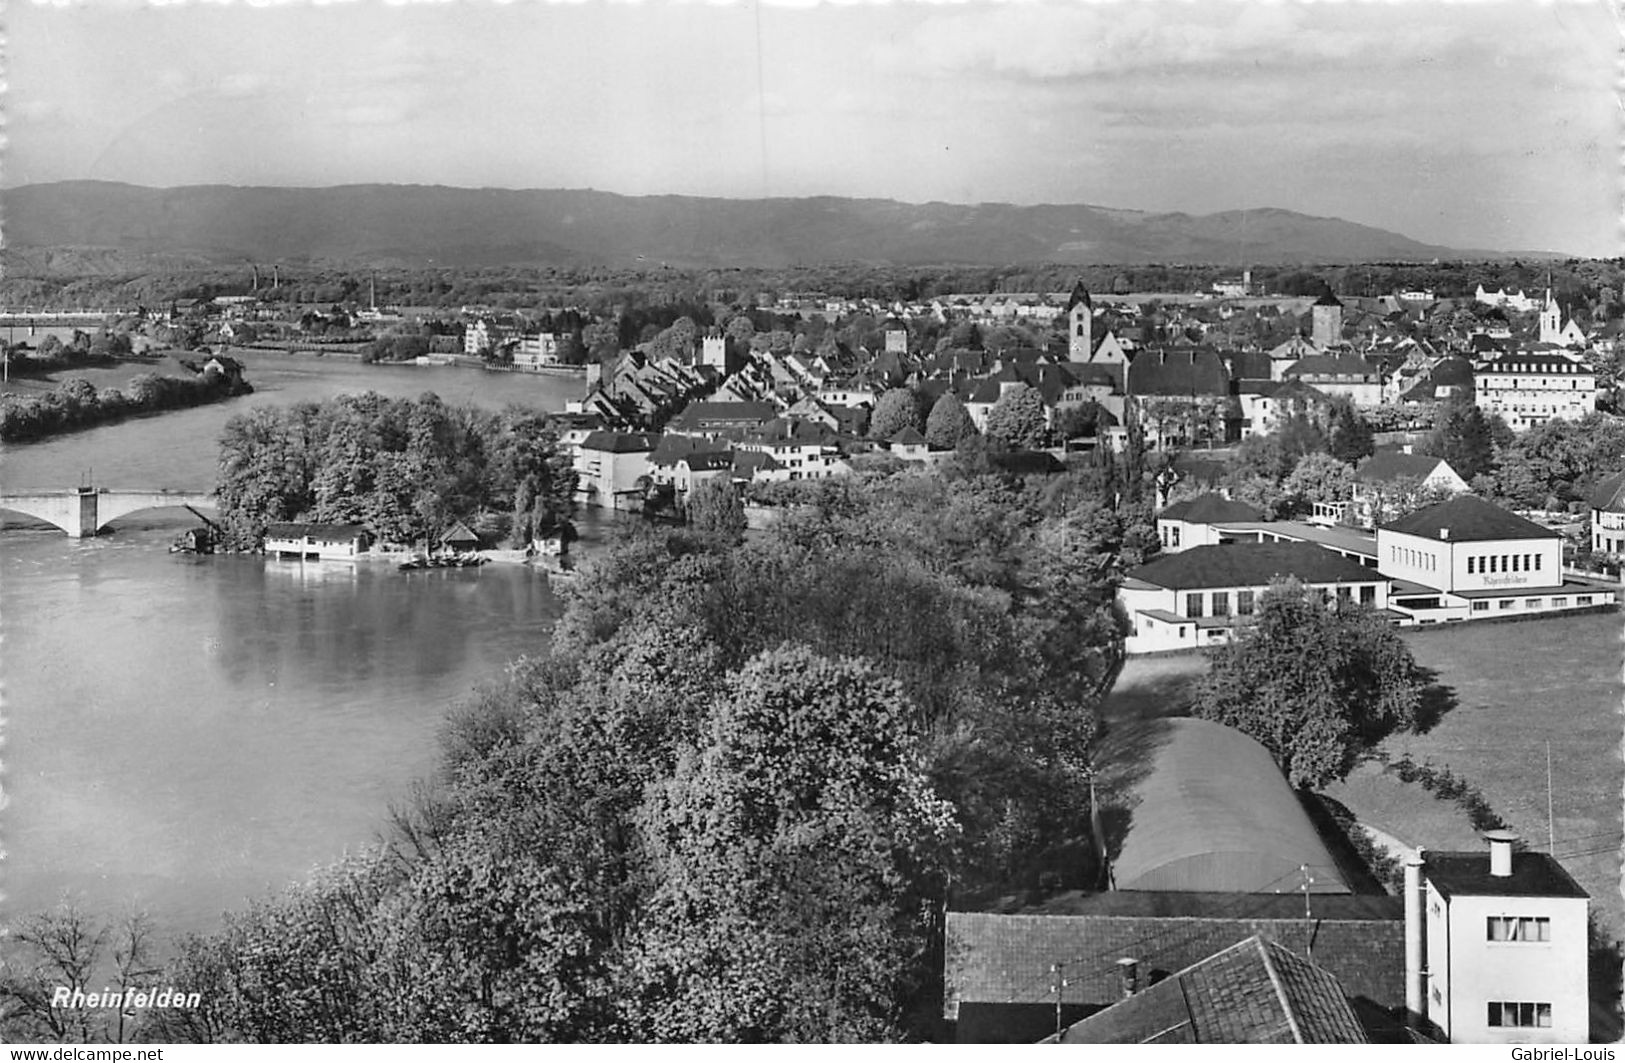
<point>1529,388</point>
<point>1505,947</point>
<point>534,352</point>
<point>608,466</point>
<point>1198,597</point>
<point>316,542</point>
<point>1191,523</point>
<point>1467,559</point>
<point>1608,516</point>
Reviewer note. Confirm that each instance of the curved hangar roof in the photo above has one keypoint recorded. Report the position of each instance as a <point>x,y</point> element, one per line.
<point>1210,811</point>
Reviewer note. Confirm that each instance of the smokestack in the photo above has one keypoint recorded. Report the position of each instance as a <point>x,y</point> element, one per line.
<point>1444,533</point>
<point>1128,976</point>
<point>1500,852</point>
<point>1415,980</point>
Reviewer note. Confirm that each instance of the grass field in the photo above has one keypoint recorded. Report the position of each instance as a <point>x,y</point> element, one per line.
<point>1517,687</point>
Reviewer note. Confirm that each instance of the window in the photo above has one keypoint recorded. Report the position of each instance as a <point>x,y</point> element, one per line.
<point>1537,562</point>
<point>1193,605</point>
<point>1345,595</point>
<point>1368,595</point>
<point>1221,603</point>
<point>1535,603</point>
<point>1584,599</point>
<point>1493,562</point>
<point>1174,531</point>
<point>1472,566</point>
<point>1481,607</point>
<point>1518,928</point>
<point>1560,603</point>
<point>1519,1013</point>
<point>1504,603</point>
<point>1244,603</point>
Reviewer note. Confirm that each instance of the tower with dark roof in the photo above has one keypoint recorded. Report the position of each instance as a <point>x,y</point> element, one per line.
<point>1326,329</point>
<point>1080,324</point>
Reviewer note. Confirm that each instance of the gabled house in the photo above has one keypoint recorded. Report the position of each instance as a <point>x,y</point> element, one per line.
<point>1256,992</point>
<point>1377,478</point>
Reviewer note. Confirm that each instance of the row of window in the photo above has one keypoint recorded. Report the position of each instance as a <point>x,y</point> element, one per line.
<point>1532,603</point>
<point>1195,601</point>
<point>1520,1013</point>
<point>1490,563</point>
<point>1415,558</point>
<point>1518,928</point>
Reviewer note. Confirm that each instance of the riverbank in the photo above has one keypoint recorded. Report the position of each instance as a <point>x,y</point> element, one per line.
<point>76,403</point>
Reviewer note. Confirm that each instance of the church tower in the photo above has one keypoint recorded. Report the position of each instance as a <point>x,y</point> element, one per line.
<point>1551,321</point>
<point>1080,324</point>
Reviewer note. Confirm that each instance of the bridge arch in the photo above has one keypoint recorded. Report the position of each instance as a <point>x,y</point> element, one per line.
<point>86,512</point>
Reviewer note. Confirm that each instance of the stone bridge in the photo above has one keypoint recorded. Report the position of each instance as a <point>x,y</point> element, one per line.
<point>84,512</point>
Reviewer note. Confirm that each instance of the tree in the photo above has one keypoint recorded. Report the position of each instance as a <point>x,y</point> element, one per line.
<point>1463,436</point>
<point>1018,418</point>
<point>948,423</point>
<point>1079,420</point>
<point>714,509</point>
<point>1349,437</point>
<point>1317,478</point>
<point>796,855</point>
<point>1316,683</point>
<point>897,409</point>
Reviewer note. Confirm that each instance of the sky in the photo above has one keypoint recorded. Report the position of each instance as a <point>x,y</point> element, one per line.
<point>1478,125</point>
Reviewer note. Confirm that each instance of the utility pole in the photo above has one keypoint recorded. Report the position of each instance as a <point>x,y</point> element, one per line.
<point>1551,824</point>
<point>1309,916</point>
<point>1060,983</point>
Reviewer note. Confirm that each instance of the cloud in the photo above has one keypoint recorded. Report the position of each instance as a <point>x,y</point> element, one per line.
<point>1059,41</point>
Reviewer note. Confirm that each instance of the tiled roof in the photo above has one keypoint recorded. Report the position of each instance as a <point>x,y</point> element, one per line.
<point>1210,509</point>
<point>1178,371</point>
<point>331,532</point>
<point>1252,565</point>
<point>1610,494</point>
<point>709,462</point>
<point>1254,992</point>
<point>1385,466</point>
<point>1469,519</point>
<point>1327,365</point>
<point>908,437</point>
<point>999,959</point>
<point>620,442</point>
<point>1468,874</point>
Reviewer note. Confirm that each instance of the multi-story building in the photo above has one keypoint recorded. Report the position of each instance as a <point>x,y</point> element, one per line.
<point>608,466</point>
<point>1608,516</point>
<point>1529,388</point>
<point>1505,947</point>
<point>1468,559</point>
<point>1198,597</point>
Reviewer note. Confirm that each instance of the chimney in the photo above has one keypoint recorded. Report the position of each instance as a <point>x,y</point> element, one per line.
<point>1128,976</point>
<point>1444,533</point>
<point>1415,980</point>
<point>1500,852</point>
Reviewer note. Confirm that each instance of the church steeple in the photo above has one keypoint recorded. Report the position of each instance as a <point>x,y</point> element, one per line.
<point>1080,324</point>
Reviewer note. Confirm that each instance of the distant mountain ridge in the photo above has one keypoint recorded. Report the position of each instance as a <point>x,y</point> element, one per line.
<point>431,225</point>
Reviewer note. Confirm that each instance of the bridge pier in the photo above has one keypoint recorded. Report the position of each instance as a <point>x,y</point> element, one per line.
<point>87,525</point>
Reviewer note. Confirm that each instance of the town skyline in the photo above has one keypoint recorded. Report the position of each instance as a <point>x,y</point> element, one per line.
<point>1479,127</point>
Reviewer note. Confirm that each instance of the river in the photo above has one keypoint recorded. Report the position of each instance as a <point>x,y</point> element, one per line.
<point>182,734</point>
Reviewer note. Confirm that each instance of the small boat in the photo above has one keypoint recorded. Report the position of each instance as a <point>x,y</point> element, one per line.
<point>414,564</point>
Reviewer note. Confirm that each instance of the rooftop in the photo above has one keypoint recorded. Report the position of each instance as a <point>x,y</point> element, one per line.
<point>1210,509</point>
<point>1254,992</point>
<point>1468,875</point>
<point>1252,565</point>
<point>1469,519</point>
